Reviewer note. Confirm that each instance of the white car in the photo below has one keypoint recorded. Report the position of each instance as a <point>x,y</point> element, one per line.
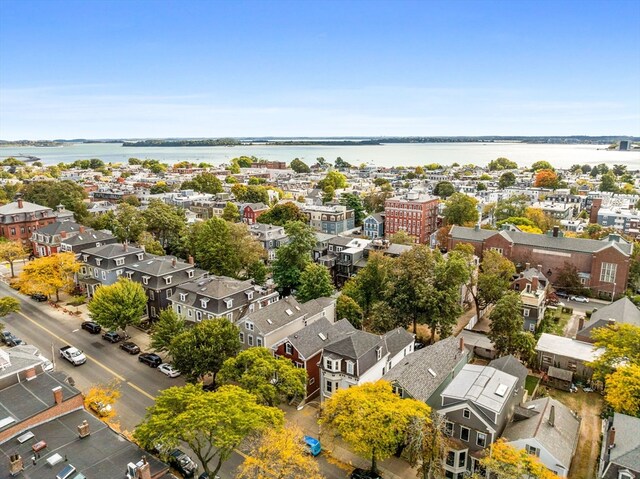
<point>169,370</point>
<point>579,299</point>
<point>46,364</point>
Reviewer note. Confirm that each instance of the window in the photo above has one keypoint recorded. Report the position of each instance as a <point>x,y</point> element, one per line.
<point>608,272</point>
<point>104,275</point>
<point>464,433</point>
<point>98,261</point>
<point>534,451</point>
<point>250,295</point>
<point>462,458</point>
<point>178,309</point>
<point>572,365</point>
<point>379,354</point>
<point>248,325</point>
<point>119,272</point>
<point>230,316</point>
<point>129,274</point>
<point>145,279</point>
<point>242,338</point>
<point>328,386</point>
<point>466,413</point>
<point>183,297</point>
<point>198,315</point>
<point>190,313</point>
<point>448,428</point>
<point>350,368</point>
<point>169,293</point>
<point>190,273</point>
<point>481,439</point>
<point>288,348</point>
<point>624,475</point>
<point>525,312</point>
<point>546,360</point>
<point>259,342</point>
<point>140,256</point>
<point>498,250</point>
<point>153,311</point>
<point>152,295</point>
<point>250,340</point>
<point>451,458</point>
<point>119,261</point>
<point>203,302</point>
<point>312,381</point>
<point>168,279</point>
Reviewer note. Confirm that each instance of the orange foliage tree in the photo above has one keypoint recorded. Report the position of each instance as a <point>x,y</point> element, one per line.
<point>546,179</point>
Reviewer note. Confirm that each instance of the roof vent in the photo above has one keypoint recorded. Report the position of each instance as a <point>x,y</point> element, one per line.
<point>432,372</point>
<point>289,312</point>
<point>322,336</point>
<point>269,321</point>
<point>502,389</point>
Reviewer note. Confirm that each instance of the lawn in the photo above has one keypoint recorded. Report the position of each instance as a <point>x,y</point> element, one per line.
<point>556,322</point>
<point>530,384</point>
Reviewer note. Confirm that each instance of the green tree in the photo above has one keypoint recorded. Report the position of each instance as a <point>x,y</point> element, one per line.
<point>347,308</point>
<point>129,223</point>
<point>158,188</point>
<point>444,189</point>
<point>118,305</point>
<point>53,193</point>
<point>507,325</point>
<point>426,445</point>
<point>315,282</point>
<point>281,214</point>
<point>383,318</point>
<point>8,305</point>
<point>493,279</point>
<point>293,257</point>
<point>204,182</point>
<point>461,209</point>
<point>514,206</point>
<point>622,391</point>
<point>231,213</point>
<point>299,166</point>
<point>251,193</point>
<point>215,341</point>
<point>507,179</point>
<point>403,238</point>
<point>542,165</point>
<point>212,424</point>
<point>371,418</point>
<point>502,164</point>
<point>224,248</point>
<point>370,284</point>
<point>353,202</point>
<point>586,169</point>
<point>165,222</point>
<point>150,244</point>
<point>608,182</point>
<point>334,179</point>
<point>620,344</point>
<point>168,326</point>
<point>270,379</point>
<point>245,161</point>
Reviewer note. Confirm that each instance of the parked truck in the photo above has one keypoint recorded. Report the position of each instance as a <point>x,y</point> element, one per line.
<point>73,355</point>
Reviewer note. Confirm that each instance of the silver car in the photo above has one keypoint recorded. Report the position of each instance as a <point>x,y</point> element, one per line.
<point>169,370</point>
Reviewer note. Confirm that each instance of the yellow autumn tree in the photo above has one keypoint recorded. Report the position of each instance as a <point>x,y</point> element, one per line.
<point>100,399</point>
<point>507,462</point>
<point>623,389</point>
<point>371,418</point>
<point>11,251</point>
<point>280,454</point>
<point>49,274</point>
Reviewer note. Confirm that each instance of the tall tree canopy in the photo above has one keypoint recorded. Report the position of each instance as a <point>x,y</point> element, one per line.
<point>507,325</point>
<point>118,305</point>
<point>49,274</point>
<point>493,279</point>
<point>507,179</point>
<point>282,213</point>
<point>166,222</point>
<point>10,251</point>
<point>315,282</point>
<point>502,164</point>
<point>231,213</point>
<point>204,182</point>
<point>168,326</point>
<point>293,257</point>
<point>212,424</point>
<point>54,193</point>
<point>129,223</point>
<point>444,189</point>
<point>461,209</point>
<point>270,379</point>
<point>371,418</point>
<point>546,179</point>
<point>354,202</point>
<point>299,166</point>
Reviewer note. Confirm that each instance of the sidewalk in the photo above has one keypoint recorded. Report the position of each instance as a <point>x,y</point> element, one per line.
<point>307,420</point>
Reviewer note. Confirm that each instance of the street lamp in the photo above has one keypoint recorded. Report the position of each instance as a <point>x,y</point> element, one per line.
<point>613,293</point>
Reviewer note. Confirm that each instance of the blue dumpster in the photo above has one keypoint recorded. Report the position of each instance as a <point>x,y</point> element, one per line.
<point>313,444</point>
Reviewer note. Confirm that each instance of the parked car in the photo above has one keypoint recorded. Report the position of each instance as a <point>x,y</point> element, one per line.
<point>150,359</point>
<point>418,345</point>
<point>100,408</point>
<point>131,348</point>
<point>562,294</point>
<point>39,297</point>
<point>166,368</point>
<point>579,299</point>
<point>204,475</point>
<point>73,355</point>
<point>112,337</point>
<point>364,474</point>
<point>14,341</point>
<point>93,328</point>
<point>6,335</point>
<point>313,445</point>
<point>182,463</point>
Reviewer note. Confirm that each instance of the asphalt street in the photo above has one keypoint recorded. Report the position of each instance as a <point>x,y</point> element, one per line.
<point>139,384</point>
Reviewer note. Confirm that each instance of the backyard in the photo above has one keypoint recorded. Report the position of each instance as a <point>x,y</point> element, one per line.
<point>588,406</point>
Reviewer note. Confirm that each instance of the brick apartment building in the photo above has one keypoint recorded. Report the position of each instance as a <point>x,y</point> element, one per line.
<point>414,213</point>
<point>19,219</point>
<point>602,265</point>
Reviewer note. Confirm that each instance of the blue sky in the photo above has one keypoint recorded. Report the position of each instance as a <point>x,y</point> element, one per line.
<point>124,68</point>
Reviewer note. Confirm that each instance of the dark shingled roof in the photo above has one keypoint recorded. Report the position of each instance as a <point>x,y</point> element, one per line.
<point>308,342</point>
<point>621,311</point>
<point>397,340</point>
<point>626,453</point>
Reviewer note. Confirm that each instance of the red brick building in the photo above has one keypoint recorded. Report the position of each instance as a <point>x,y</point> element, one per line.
<point>47,239</point>
<point>414,213</point>
<point>252,211</point>
<point>19,219</point>
<point>602,265</point>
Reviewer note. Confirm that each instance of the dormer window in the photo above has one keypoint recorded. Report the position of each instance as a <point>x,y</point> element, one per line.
<point>85,257</point>
<point>168,279</point>
<point>249,295</point>
<point>119,261</point>
<point>140,256</point>
<point>129,274</point>
<point>145,279</point>
<point>183,296</point>
<point>379,354</point>
<point>190,273</point>
<point>350,367</point>
<point>203,302</point>
<point>228,302</point>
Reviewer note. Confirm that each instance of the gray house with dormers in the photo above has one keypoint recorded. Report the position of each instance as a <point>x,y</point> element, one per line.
<point>159,277</point>
<point>270,237</point>
<point>477,405</point>
<point>103,265</point>
<point>86,239</point>
<point>219,297</point>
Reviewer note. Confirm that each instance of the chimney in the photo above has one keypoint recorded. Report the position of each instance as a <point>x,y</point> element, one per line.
<point>57,394</point>
<point>20,204</point>
<point>461,344</point>
<point>81,230</point>
<point>555,231</point>
<point>581,323</point>
<point>30,374</point>
<point>527,265</point>
<point>83,429</point>
<point>476,227</point>
<point>612,437</point>
<point>173,262</point>
<point>190,259</point>
<point>144,471</point>
<point>611,322</point>
<point>552,416</point>
<point>15,464</point>
<point>534,284</point>
<point>124,246</point>
<point>539,268</point>
<point>63,234</point>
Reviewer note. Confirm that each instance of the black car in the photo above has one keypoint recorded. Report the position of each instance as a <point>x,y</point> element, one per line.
<point>364,474</point>
<point>5,336</point>
<point>182,463</point>
<point>112,337</point>
<point>39,297</point>
<point>93,328</point>
<point>150,359</point>
<point>131,348</point>
<point>418,345</point>
<point>562,294</point>
<point>14,341</point>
